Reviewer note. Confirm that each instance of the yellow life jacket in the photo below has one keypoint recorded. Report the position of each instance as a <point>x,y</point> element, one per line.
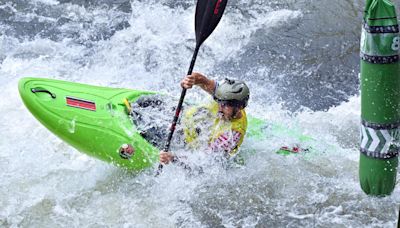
<point>202,121</point>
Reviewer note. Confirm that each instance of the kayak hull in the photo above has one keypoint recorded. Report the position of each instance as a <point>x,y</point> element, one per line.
<point>90,118</point>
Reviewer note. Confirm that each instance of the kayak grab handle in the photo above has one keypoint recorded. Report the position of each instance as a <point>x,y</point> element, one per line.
<point>43,91</point>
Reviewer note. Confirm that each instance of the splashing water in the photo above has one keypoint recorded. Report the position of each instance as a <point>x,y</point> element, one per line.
<point>300,59</point>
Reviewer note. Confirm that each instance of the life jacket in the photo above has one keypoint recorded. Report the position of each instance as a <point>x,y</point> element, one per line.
<point>201,124</point>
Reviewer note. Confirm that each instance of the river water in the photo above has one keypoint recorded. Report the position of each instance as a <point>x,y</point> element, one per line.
<point>300,59</point>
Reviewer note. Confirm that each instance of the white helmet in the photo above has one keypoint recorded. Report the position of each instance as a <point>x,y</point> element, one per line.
<point>235,93</point>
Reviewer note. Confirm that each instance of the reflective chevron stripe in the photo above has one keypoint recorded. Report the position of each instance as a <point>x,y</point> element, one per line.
<point>387,138</point>
<point>375,139</point>
<point>378,142</point>
<point>364,137</point>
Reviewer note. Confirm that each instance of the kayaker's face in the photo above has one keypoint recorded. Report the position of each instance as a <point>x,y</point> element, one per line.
<point>225,111</point>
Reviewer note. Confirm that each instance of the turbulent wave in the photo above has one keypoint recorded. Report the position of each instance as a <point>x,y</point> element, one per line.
<point>300,59</point>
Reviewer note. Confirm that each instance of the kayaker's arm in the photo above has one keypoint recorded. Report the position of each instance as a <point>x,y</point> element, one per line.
<point>199,79</point>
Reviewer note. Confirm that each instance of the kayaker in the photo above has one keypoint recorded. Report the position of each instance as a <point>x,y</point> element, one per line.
<point>228,122</point>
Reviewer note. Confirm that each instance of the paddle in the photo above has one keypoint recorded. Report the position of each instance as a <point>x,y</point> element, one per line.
<point>208,15</point>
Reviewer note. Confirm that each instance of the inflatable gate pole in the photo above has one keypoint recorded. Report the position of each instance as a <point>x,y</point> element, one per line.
<point>380,98</point>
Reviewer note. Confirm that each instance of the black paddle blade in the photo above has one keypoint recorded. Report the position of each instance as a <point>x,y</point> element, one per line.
<point>208,15</point>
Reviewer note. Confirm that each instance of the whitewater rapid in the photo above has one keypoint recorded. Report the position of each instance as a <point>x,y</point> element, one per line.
<point>148,45</point>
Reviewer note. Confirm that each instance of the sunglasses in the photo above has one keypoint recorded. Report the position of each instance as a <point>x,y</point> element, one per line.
<point>231,103</point>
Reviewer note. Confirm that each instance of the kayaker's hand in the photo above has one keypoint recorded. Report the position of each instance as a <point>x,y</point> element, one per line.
<point>166,157</point>
<point>198,79</point>
<point>190,80</point>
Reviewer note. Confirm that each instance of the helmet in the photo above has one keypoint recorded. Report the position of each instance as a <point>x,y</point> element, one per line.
<point>234,93</point>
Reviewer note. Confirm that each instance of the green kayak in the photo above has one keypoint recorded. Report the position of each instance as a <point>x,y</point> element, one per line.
<point>98,120</point>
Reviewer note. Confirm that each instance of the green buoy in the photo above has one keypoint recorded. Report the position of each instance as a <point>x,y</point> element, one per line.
<point>380,98</point>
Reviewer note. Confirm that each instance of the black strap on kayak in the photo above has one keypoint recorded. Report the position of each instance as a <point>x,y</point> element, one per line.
<point>208,15</point>
<point>34,90</point>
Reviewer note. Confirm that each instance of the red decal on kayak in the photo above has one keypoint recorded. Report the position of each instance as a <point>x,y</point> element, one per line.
<point>79,103</point>
<point>217,7</point>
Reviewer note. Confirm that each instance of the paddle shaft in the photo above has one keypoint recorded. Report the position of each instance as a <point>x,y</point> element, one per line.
<point>179,107</point>
<point>178,110</point>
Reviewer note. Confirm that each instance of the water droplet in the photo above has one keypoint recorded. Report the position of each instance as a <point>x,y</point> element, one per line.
<point>71,126</point>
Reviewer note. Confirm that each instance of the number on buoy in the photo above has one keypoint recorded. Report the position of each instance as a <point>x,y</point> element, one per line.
<point>395,44</point>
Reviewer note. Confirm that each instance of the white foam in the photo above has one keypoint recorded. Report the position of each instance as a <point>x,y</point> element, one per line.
<point>42,177</point>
